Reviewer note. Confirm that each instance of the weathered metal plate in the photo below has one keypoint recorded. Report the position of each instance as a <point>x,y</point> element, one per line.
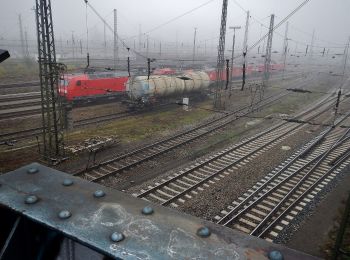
<point>165,234</point>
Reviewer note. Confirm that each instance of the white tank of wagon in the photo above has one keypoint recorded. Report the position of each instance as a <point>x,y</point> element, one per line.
<point>163,86</point>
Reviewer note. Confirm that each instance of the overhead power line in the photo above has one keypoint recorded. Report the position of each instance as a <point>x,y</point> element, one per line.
<point>277,26</point>
<point>174,19</point>
<point>180,16</point>
<point>114,32</point>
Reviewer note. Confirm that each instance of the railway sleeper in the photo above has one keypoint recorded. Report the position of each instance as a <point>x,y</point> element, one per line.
<point>261,214</point>
<point>269,202</point>
<point>165,194</point>
<point>241,228</point>
<point>278,194</point>
<point>177,186</point>
<point>189,180</point>
<point>88,176</point>
<point>195,177</point>
<point>253,217</point>
<point>272,198</point>
<point>99,174</point>
<point>207,170</point>
<point>111,168</point>
<point>184,183</point>
<point>203,175</point>
<point>247,223</point>
<point>159,199</point>
<point>104,170</point>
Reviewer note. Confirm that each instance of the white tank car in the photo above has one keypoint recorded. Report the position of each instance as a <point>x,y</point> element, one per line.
<point>141,88</point>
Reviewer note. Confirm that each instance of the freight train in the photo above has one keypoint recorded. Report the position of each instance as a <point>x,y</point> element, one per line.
<point>161,84</point>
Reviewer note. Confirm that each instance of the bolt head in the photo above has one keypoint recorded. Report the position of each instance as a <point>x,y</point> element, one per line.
<point>32,170</point>
<point>203,232</point>
<point>64,214</point>
<point>275,255</point>
<point>31,199</point>
<point>67,182</point>
<point>99,194</point>
<point>117,237</point>
<point>147,210</point>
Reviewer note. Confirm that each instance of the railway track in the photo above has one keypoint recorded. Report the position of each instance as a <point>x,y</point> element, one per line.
<point>194,179</point>
<point>136,157</point>
<point>20,84</point>
<point>27,133</point>
<point>272,203</point>
<point>8,137</point>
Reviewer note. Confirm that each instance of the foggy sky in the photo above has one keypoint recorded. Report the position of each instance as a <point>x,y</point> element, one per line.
<point>329,18</point>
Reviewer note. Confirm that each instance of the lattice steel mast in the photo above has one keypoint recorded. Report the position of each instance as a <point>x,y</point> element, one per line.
<point>268,54</point>
<point>285,41</point>
<point>52,116</point>
<point>221,59</point>
<point>115,49</point>
<point>245,49</point>
<point>21,36</point>
<point>312,44</point>
<point>285,49</point>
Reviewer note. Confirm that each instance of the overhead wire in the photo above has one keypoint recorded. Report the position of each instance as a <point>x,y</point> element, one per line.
<point>174,19</point>
<point>296,41</point>
<point>276,26</point>
<point>159,26</point>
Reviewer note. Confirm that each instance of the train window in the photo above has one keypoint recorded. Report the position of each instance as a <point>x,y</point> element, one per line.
<point>64,82</point>
<point>78,83</point>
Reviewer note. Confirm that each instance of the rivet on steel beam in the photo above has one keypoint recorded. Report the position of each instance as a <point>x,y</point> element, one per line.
<point>31,199</point>
<point>117,237</point>
<point>275,255</point>
<point>32,170</point>
<point>67,182</point>
<point>147,210</point>
<point>203,232</point>
<point>64,214</point>
<point>99,194</point>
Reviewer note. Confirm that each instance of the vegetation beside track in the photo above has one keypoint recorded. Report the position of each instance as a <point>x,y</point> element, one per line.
<point>18,70</point>
<point>157,123</point>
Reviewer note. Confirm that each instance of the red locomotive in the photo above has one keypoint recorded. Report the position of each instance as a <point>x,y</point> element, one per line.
<point>87,86</point>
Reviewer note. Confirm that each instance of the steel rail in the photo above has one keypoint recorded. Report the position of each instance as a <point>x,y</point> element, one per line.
<point>218,156</point>
<point>261,233</point>
<point>243,204</point>
<point>299,183</point>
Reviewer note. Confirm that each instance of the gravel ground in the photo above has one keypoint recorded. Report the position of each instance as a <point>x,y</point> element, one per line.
<point>316,220</point>
<point>79,163</point>
<point>181,158</point>
<point>225,191</point>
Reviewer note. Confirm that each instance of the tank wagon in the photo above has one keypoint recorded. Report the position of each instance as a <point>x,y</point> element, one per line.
<point>143,90</point>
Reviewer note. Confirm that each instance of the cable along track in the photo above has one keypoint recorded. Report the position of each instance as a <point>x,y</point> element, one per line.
<point>273,202</point>
<point>188,182</point>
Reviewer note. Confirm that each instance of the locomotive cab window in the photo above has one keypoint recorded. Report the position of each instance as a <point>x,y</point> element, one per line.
<point>78,83</point>
<point>64,82</point>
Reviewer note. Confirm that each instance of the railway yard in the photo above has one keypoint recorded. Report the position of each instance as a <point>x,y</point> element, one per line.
<point>260,169</point>
<point>137,140</point>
